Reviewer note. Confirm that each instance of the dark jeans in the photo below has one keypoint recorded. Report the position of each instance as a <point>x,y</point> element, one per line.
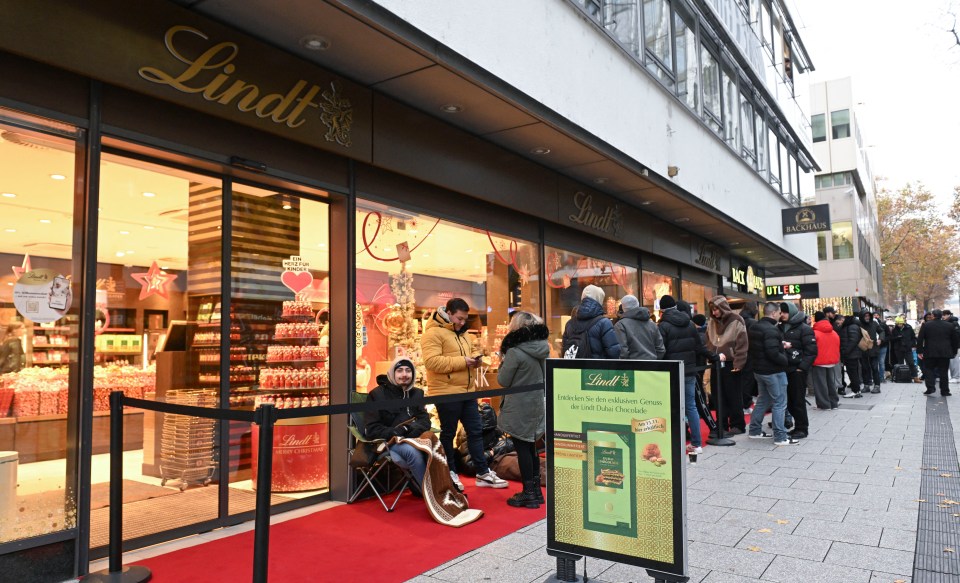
<point>465,412</point>
<point>732,399</point>
<point>936,367</point>
<point>748,387</point>
<point>869,370</point>
<point>853,371</point>
<point>797,399</point>
<point>527,459</point>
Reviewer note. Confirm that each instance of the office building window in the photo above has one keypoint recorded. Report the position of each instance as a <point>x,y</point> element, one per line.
<point>656,31</point>
<point>843,240</point>
<point>822,246</point>
<point>730,113</point>
<point>711,89</point>
<point>773,148</point>
<point>746,128</point>
<point>686,47</point>
<point>840,123</point>
<point>619,18</point>
<point>762,153</point>
<point>818,123</point>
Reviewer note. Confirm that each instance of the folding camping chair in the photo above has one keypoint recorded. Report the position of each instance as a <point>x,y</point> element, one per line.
<point>380,461</point>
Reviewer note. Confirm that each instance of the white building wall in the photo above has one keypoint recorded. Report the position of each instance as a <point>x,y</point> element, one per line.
<point>551,52</point>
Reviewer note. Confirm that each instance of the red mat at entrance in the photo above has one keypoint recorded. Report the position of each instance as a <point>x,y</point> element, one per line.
<point>355,542</point>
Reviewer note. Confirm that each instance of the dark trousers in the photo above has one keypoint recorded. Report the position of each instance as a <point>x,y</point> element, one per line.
<point>527,459</point>
<point>730,394</point>
<point>465,412</point>
<point>904,356</point>
<point>868,366</point>
<point>748,387</point>
<point>797,399</point>
<point>937,367</point>
<point>853,371</point>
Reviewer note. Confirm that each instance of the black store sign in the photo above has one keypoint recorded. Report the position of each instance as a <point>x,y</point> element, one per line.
<point>806,219</point>
<point>793,291</point>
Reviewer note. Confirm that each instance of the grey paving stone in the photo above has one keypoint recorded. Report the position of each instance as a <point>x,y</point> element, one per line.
<point>482,567</point>
<point>726,535</point>
<point>696,496</point>
<point>739,502</point>
<point>818,458</point>
<point>792,570</point>
<point>514,545</point>
<point>871,558</point>
<point>824,486</point>
<point>862,534</point>
<point>538,529</point>
<point>786,463</point>
<point>878,577</point>
<point>798,473</point>
<point>785,493</point>
<point>790,545</point>
<point>902,519</point>
<point>902,540</point>
<point>534,526</point>
<point>722,577</point>
<point>736,561</point>
<point>877,479</point>
<point>748,468</point>
<point>755,479</point>
<point>862,499</point>
<point>707,513</point>
<point>812,510</point>
<point>540,558</point>
<point>848,467</point>
<point>726,486</point>
<point>758,520</point>
<point>451,562</point>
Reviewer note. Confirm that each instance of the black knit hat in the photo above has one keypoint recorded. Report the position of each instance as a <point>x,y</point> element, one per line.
<point>667,302</point>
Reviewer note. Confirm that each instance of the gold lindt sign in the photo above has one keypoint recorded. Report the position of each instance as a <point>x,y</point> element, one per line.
<point>336,111</point>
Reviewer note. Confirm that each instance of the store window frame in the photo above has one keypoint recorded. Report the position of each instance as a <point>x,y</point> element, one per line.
<point>840,124</point>
<point>818,127</point>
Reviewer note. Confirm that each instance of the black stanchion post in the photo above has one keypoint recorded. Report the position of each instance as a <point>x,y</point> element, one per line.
<point>266,417</point>
<point>719,439</point>
<point>566,568</point>
<point>117,573</point>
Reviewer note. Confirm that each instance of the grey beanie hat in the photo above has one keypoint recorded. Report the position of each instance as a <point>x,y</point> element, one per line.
<point>629,302</point>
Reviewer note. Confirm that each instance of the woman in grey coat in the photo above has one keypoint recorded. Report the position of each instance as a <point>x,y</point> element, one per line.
<point>639,337</point>
<point>524,350</point>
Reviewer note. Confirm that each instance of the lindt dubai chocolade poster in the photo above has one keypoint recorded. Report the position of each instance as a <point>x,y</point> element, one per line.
<point>615,461</point>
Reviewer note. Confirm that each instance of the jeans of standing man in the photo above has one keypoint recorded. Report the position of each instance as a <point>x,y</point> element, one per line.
<point>824,386</point>
<point>411,459</point>
<point>690,403</point>
<point>773,395</point>
<point>732,404</point>
<point>881,368</point>
<point>868,366</point>
<point>910,360</point>
<point>955,367</point>
<point>465,412</point>
<point>853,371</point>
<point>797,400</point>
<point>936,368</point>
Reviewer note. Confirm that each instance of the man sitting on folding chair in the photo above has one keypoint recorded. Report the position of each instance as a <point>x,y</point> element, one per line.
<point>410,421</point>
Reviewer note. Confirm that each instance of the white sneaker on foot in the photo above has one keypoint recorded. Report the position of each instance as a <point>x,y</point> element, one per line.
<point>456,480</point>
<point>490,480</point>
<point>698,450</point>
<point>787,441</point>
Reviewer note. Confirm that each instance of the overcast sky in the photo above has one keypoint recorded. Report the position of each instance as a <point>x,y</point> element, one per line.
<point>906,72</point>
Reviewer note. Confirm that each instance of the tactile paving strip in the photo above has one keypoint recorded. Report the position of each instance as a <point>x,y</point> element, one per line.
<point>937,557</point>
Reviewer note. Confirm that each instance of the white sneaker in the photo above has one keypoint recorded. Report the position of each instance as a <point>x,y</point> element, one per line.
<point>787,441</point>
<point>456,480</point>
<point>490,480</point>
<point>698,450</point>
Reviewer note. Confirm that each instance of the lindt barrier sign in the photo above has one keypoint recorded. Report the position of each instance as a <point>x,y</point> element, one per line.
<point>615,461</point>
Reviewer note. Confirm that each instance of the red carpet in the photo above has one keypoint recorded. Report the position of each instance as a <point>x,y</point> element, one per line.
<point>354,542</point>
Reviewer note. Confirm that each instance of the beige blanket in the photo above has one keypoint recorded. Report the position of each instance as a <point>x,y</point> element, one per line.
<point>444,502</point>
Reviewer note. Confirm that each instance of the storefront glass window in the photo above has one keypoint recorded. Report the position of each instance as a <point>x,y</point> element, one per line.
<point>843,240</point>
<point>39,327</point>
<point>567,273</point>
<point>686,46</point>
<point>697,296</point>
<point>655,286</point>
<point>822,246</point>
<point>409,264</point>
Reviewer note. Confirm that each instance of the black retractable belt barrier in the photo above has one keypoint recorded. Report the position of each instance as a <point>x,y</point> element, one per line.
<point>719,439</point>
<point>265,416</point>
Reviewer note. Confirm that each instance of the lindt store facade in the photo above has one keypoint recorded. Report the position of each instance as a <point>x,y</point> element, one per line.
<point>192,215</point>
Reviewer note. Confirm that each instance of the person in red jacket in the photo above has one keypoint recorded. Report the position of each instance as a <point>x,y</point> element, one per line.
<point>828,357</point>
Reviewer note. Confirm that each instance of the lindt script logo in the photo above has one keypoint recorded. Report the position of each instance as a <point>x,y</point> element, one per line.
<point>607,380</point>
<point>708,256</point>
<point>610,221</point>
<point>213,75</point>
<point>294,441</point>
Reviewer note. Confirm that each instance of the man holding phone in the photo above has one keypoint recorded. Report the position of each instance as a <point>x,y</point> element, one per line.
<point>451,365</point>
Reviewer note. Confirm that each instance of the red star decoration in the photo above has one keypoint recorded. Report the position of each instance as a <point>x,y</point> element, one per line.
<point>154,282</point>
<point>25,267</point>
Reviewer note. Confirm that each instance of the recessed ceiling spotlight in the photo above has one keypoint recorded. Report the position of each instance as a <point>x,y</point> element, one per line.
<point>315,42</point>
<point>647,203</point>
<point>600,180</point>
<point>120,253</point>
<point>9,195</point>
<point>287,206</point>
<point>164,268</point>
<point>58,177</point>
<point>124,232</point>
<point>10,230</point>
<point>148,227</point>
<point>749,252</point>
<point>321,245</point>
<point>426,255</point>
<point>129,252</point>
<point>468,251</point>
<point>682,220</point>
<point>45,221</point>
<point>735,243</point>
<point>149,194</point>
<point>451,108</point>
<point>540,150</point>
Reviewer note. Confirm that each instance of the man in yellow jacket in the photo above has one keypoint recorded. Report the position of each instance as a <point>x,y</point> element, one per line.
<point>450,362</point>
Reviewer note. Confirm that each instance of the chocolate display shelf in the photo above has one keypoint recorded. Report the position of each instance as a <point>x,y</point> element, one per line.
<point>302,361</point>
<point>297,318</point>
<point>293,339</point>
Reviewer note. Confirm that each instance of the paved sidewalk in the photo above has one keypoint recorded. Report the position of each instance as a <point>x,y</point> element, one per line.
<point>840,507</point>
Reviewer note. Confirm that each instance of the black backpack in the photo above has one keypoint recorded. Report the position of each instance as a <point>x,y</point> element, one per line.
<point>577,345</point>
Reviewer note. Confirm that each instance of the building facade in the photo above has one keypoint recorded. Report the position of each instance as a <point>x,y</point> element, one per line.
<point>229,204</point>
<point>850,272</point>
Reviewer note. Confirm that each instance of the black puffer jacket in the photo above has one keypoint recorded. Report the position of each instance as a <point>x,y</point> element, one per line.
<point>681,340</point>
<point>766,347</point>
<point>850,338</point>
<point>383,424</point>
<point>803,351</point>
<point>903,337</point>
<point>873,329</point>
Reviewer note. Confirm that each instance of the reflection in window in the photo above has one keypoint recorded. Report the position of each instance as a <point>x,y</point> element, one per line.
<point>711,89</point>
<point>697,296</point>
<point>656,30</point>
<point>762,153</point>
<point>840,123</point>
<point>620,19</point>
<point>686,43</point>
<point>774,149</point>
<point>843,240</point>
<point>408,264</point>
<point>818,126</point>
<point>655,286</point>
<point>730,104</point>
<point>567,273</point>
<point>746,125</point>
<point>822,246</point>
